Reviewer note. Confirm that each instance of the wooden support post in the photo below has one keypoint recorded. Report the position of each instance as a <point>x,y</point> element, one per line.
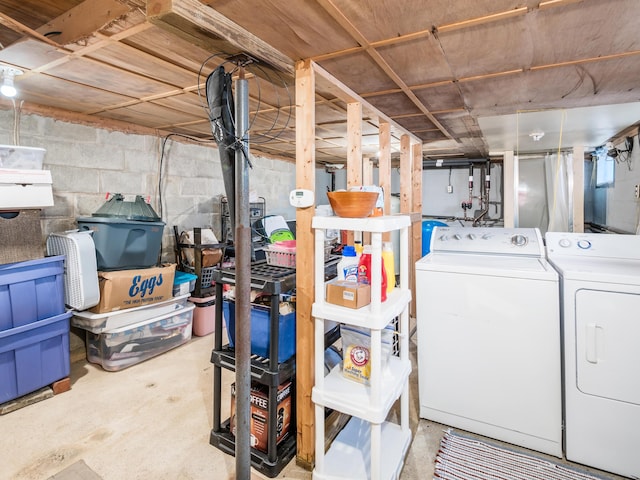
<point>577,217</point>
<point>384,170</point>
<point>305,178</point>
<point>354,149</point>
<point>406,202</point>
<point>416,218</point>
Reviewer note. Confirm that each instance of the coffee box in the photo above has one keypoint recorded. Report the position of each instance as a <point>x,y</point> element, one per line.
<point>259,420</point>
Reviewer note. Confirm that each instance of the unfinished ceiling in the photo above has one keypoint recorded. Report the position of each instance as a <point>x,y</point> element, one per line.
<point>437,68</point>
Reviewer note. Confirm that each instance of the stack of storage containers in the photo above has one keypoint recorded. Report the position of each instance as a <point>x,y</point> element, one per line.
<point>34,326</point>
<point>199,252</point>
<point>137,316</point>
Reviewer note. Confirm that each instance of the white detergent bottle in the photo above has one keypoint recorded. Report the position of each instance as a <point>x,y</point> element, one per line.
<point>348,264</point>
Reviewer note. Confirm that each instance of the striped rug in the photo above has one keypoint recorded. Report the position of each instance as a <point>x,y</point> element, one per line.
<point>464,458</point>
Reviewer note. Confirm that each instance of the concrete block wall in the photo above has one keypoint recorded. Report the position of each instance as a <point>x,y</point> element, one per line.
<point>184,184</point>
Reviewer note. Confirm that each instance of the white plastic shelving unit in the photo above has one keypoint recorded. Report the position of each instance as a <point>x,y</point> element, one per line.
<point>370,446</point>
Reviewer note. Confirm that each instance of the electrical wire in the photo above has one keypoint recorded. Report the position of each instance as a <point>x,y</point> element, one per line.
<point>264,137</point>
<point>161,164</point>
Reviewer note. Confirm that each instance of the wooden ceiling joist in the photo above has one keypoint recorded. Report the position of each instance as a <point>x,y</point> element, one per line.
<point>347,95</point>
<point>189,18</point>
<point>83,20</point>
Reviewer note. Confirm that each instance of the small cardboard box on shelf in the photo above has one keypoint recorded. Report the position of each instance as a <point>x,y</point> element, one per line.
<point>348,293</point>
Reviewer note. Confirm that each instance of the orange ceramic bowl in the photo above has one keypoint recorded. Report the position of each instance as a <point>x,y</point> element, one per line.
<point>353,204</point>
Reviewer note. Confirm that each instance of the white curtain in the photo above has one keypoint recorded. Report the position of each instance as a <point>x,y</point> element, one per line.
<point>558,172</point>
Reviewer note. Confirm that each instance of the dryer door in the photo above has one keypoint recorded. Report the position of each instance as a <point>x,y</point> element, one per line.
<point>608,344</point>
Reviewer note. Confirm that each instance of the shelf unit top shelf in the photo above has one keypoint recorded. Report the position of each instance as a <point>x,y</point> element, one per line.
<point>385,223</point>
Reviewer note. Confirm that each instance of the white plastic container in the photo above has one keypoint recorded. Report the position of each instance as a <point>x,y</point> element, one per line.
<point>13,156</point>
<point>347,268</point>
<point>101,322</point>
<point>123,347</point>
<point>81,289</point>
<point>20,189</point>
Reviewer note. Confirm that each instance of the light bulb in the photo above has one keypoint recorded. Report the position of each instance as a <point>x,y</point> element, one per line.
<point>8,74</point>
<point>7,89</point>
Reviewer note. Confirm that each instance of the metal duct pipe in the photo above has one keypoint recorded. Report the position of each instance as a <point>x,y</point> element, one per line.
<point>243,286</point>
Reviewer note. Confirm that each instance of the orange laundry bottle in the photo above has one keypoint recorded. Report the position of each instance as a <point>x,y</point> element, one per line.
<point>364,272</point>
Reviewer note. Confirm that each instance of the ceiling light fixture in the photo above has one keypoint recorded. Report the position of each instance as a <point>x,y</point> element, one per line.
<point>537,135</point>
<point>8,74</point>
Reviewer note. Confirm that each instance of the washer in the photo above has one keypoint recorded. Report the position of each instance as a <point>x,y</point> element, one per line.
<point>488,332</point>
<point>600,279</point>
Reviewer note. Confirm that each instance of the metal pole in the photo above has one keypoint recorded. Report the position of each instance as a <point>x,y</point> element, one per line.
<point>243,287</point>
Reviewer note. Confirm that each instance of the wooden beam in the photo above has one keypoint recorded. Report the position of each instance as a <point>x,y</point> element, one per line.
<point>193,19</point>
<point>305,178</point>
<point>384,170</point>
<point>416,224</point>
<point>405,174</point>
<point>344,93</point>
<point>83,20</point>
<point>352,30</point>
<point>354,152</point>
<point>18,27</point>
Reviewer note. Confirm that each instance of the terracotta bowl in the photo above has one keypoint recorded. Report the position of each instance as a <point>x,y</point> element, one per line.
<point>353,204</point>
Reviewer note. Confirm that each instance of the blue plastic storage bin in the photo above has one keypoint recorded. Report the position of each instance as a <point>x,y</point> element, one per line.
<point>31,291</point>
<point>123,244</point>
<point>33,356</point>
<point>427,230</point>
<point>183,283</point>
<point>260,330</point>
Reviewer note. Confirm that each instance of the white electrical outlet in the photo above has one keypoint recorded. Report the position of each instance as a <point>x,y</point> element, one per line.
<point>449,188</point>
<point>637,192</point>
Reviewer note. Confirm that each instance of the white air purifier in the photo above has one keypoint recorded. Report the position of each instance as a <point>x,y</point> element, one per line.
<point>81,289</point>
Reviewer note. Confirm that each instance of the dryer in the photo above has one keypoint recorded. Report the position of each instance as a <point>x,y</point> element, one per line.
<point>600,280</point>
<point>488,333</point>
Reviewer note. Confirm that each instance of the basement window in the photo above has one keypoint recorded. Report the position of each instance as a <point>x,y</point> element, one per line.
<point>605,169</point>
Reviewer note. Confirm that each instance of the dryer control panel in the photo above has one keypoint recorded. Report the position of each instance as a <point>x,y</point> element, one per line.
<point>593,245</point>
<point>488,240</point>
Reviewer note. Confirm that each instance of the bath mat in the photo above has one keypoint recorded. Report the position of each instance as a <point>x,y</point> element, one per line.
<point>464,458</point>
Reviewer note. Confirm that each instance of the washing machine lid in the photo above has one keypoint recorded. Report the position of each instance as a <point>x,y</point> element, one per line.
<point>602,270</point>
<point>488,265</point>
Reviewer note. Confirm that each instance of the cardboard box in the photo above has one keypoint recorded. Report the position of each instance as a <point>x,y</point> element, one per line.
<point>20,236</point>
<point>259,419</point>
<point>348,294</point>
<point>122,289</point>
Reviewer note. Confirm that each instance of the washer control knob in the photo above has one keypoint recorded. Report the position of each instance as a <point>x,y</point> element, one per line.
<point>457,236</point>
<point>519,240</point>
<point>472,236</point>
<point>486,236</point>
<point>584,244</point>
<point>565,243</point>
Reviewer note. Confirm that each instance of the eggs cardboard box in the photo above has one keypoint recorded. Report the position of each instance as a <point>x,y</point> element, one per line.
<point>121,289</point>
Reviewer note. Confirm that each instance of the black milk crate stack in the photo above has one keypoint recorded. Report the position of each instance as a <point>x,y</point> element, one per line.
<point>205,274</point>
